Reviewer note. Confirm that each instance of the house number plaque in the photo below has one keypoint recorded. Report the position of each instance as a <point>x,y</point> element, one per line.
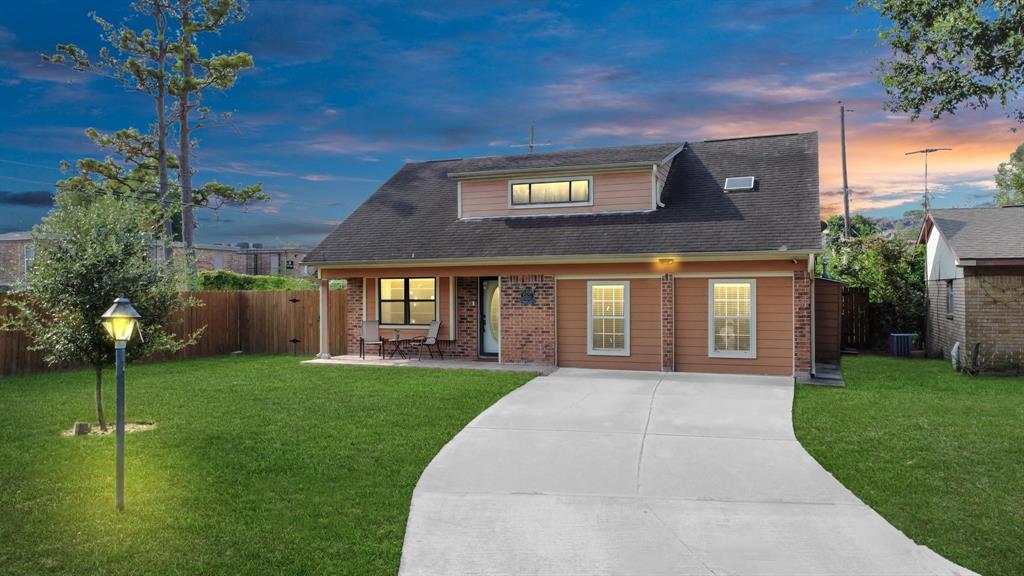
<point>527,297</point>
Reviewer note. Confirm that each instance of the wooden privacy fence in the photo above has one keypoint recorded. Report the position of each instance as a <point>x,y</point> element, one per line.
<point>253,322</point>
<point>856,318</point>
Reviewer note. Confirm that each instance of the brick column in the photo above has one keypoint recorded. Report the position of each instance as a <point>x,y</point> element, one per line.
<point>802,323</point>
<point>467,318</point>
<point>528,328</point>
<point>668,328</point>
<point>354,305</point>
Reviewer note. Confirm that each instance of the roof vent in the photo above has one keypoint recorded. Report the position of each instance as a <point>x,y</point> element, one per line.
<point>740,184</point>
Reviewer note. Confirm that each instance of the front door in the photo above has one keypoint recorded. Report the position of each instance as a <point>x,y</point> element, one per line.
<point>490,317</point>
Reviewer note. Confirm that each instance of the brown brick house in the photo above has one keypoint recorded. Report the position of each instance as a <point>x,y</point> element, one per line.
<point>975,278</point>
<point>677,256</point>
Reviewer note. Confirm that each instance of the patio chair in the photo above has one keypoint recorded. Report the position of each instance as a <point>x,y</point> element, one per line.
<point>371,337</point>
<point>429,342</point>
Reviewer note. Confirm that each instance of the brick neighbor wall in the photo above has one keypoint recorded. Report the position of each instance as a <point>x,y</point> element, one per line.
<point>528,329</point>
<point>354,303</point>
<point>12,261</point>
<point>801,322</point>
<point>467,318</point>
<point>668,310</point>
<point>943,328</point>
<point>995,317</point>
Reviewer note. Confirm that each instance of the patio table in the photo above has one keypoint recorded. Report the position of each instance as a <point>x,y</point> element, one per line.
<point>397,346</point>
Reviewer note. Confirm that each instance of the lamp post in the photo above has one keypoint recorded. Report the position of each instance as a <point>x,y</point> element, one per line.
<point>120,321</point>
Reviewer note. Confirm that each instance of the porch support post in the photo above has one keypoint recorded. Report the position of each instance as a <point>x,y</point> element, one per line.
<point>325,319</point>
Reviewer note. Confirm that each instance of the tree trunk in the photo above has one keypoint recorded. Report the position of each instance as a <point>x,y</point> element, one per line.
<point>161,129</point>
<point>99,398</point>
<point>184,145</point>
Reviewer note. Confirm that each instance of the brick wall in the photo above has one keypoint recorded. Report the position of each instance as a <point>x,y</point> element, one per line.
<point>801,322</point>
<point>12,264</point>
<point>668,307</point>
<point>467,318</point>
<point>354,303</point>
<point>994,314</point>
<point>944,328</point>
<point>528,329</point>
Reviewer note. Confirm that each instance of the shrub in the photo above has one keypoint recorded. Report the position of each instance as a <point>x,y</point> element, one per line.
<point>225,280</point>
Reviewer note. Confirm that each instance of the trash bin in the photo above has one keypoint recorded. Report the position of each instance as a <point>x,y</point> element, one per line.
<point>901,345</point>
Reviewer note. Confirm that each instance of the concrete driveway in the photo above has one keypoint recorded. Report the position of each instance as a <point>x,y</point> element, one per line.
<point>609,472</point>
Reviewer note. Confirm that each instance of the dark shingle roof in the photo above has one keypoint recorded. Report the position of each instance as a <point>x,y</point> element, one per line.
<point>982,233</point>
<point>414,214</point>
<point>644,153</point>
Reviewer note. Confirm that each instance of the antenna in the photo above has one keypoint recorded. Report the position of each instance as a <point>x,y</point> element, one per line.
<point>846,188</point>
<point>532,143</point>
<point>926,152</point>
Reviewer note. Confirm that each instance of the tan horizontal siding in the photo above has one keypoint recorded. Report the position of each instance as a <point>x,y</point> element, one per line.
<point>774,329</point>
<point>644,323</point>
<point>617,191</point>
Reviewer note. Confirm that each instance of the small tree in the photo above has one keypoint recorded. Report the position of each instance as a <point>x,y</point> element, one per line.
<point>952,54</point>
<point>1010,179</point>
<point>87,255</point>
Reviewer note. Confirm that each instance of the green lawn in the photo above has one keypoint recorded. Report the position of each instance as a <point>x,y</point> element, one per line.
<point>939,455</point>
<point>258,465</point>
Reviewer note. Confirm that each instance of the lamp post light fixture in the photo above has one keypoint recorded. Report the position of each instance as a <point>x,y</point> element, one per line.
<point>120,321</point>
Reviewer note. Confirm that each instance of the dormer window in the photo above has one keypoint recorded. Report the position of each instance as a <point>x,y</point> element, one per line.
<point>541,192</point>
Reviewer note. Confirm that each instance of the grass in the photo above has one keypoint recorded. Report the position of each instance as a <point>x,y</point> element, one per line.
<point>258,465</point>
<point>938,454</point>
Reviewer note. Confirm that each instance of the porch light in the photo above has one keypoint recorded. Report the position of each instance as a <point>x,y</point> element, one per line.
<point>666,260</point>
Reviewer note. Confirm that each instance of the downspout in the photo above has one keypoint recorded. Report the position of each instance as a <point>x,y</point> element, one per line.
<point>814,338</point>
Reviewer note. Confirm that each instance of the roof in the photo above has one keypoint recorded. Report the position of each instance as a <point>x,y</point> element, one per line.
<point>413,216</point>
<point>989,233</point>
<point>644,154</point>
<point>15,236</point>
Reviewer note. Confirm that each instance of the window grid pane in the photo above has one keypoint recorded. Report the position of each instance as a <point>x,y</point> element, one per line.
<point>608,322</point>
<point>732,326</point>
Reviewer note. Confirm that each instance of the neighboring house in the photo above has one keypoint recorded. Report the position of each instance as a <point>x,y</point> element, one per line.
<point>635,257</point>
<point>975,277</point>
<point>16,254</point>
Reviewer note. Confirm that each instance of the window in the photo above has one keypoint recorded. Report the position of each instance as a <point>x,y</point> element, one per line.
<point>608,318</point>
<point>950,298</point>
<point>732,315</point>
<point>526,193</point>
<point>407,301</point>
<point>30,255</point>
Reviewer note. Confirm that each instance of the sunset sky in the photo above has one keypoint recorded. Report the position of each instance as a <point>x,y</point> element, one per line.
<point>344,94</point>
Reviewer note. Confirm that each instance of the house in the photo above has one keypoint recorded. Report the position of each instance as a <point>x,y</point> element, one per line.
<point>689,256</point>
<point>16,254</point>
<point>975,278</point>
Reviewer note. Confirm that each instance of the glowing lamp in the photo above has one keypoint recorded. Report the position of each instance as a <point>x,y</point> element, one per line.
<point>120,320</point>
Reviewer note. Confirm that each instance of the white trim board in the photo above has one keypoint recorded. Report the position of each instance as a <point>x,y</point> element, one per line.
<point>752,354</point>
<point>591,351</point>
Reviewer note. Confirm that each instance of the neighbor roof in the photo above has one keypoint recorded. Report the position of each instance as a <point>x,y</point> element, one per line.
<point>982,233</point>
<point>413,216</point>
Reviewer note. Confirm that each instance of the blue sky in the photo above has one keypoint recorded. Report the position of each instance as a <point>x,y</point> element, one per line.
<point>343,94</point>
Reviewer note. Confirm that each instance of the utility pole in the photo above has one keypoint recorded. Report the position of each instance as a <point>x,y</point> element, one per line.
<point>846,186</point>
<point>926,152</point>
<point>532,143</point>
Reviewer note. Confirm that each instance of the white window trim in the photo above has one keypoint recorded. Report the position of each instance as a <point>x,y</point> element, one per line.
<point>590,189</point>
<point>591,351</point>
<point>712,353</point>
<point>28,256</point>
